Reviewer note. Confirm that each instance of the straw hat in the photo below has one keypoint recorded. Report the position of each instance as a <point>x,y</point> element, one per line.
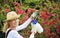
<point>12,15</point>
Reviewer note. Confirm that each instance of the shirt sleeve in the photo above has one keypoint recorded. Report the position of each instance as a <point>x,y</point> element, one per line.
<point>24,25</point>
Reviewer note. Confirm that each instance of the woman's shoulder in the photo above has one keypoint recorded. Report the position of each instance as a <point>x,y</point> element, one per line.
<point>11,31</point>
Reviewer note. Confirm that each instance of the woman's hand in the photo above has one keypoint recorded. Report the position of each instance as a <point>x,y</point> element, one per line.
<point>35,13</point>
<point>32,17</point>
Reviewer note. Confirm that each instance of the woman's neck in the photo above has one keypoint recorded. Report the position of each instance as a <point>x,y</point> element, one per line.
<point>13,28</point>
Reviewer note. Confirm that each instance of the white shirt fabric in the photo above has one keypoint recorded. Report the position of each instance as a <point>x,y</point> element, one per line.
<point>14,33</point>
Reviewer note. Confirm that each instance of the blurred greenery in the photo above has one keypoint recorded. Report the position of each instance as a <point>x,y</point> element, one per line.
<point>25,4</point>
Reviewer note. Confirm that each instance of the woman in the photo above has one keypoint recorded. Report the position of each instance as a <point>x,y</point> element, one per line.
<point>12,25</point>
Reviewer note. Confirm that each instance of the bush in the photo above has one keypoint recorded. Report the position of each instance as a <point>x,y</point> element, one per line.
<point>49,16</point>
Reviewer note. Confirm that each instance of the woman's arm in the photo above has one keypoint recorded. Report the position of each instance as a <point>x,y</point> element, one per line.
<point>25,24</point>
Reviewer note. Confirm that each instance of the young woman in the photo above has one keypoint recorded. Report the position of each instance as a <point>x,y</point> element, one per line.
<point>12,25</point>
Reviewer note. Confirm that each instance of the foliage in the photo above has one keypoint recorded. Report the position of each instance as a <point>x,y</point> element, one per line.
<point>49,16</point>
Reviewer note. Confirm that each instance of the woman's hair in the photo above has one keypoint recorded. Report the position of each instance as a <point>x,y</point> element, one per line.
<point>6,26</point>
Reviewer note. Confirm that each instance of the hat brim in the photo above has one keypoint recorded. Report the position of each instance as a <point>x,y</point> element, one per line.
<point>13,18</point>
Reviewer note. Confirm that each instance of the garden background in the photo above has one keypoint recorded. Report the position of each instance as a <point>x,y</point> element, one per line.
<point>49,15</point>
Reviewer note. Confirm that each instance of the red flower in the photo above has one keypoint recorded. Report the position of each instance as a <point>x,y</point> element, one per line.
<point>49,35</point>
<point>52,22</point>
<point>24,19</point>
<point>59,22</point>
<point>29,11</point>
<point>6,10</point>
<point>58,26</point>
<point>19,11</point>
<point>47,30</point>
<point>52,14</point>
<point>17,4</point>
<point>45,23</point>
<point>52,35</point>
<point>45,17</point>
<point>43,14</point>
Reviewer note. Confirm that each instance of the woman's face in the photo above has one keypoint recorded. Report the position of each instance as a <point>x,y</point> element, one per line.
<point>14,23</point>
